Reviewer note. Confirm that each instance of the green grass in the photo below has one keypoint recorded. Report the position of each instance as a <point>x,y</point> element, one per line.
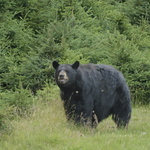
<point>47,129</point>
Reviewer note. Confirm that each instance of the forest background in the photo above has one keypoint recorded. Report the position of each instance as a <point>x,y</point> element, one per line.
<point>33,33</point>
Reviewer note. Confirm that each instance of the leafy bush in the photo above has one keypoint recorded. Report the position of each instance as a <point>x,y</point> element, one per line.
<point>13,104</point>
<point>20,100</point>
<point>34,33</point>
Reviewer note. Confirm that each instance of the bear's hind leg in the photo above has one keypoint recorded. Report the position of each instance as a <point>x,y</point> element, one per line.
<point>121,116</point>
<point>121,112</point>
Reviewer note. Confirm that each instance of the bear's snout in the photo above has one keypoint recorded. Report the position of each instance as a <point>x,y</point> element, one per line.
<point>62,77</point>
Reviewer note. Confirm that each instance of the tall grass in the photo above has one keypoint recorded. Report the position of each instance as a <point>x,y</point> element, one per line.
<point>47,129</point>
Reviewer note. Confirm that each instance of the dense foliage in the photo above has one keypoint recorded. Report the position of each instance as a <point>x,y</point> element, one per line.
<point>33,33</point>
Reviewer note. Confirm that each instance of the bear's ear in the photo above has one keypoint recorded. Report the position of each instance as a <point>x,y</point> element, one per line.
<point>55,64</point>
<point>75,65</point>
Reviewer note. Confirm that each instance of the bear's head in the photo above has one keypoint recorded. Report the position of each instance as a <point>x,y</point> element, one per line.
<point>65,74</point>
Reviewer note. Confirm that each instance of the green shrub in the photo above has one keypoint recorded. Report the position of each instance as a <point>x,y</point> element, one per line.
<point>49,92</point>
<point>12,105</point>
<point>34,33</point>
<point>19,101</point>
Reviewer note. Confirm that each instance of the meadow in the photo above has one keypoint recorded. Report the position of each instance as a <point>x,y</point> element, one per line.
<point>47,129</point>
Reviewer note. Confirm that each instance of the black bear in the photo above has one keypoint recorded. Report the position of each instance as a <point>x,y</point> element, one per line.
<point>92,92</point>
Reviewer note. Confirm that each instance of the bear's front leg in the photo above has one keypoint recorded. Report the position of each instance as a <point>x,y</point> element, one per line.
<point>87,112</point>
<point>86,120</point>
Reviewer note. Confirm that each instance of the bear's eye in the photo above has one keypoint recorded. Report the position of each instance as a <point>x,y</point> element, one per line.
<point>66,71</point>
<point>59,71</point>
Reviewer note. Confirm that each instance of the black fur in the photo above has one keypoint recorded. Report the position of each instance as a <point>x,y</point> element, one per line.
<point>93,92</point>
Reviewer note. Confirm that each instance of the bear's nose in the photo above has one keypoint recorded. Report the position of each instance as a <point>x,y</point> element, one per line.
<point>61,76</point>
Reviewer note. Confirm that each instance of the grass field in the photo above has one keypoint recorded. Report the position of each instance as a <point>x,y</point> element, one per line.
<point>47,129</point>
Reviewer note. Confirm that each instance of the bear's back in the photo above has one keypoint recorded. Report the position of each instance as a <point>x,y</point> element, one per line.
<point>98,73</point>
<point>99,68</point>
